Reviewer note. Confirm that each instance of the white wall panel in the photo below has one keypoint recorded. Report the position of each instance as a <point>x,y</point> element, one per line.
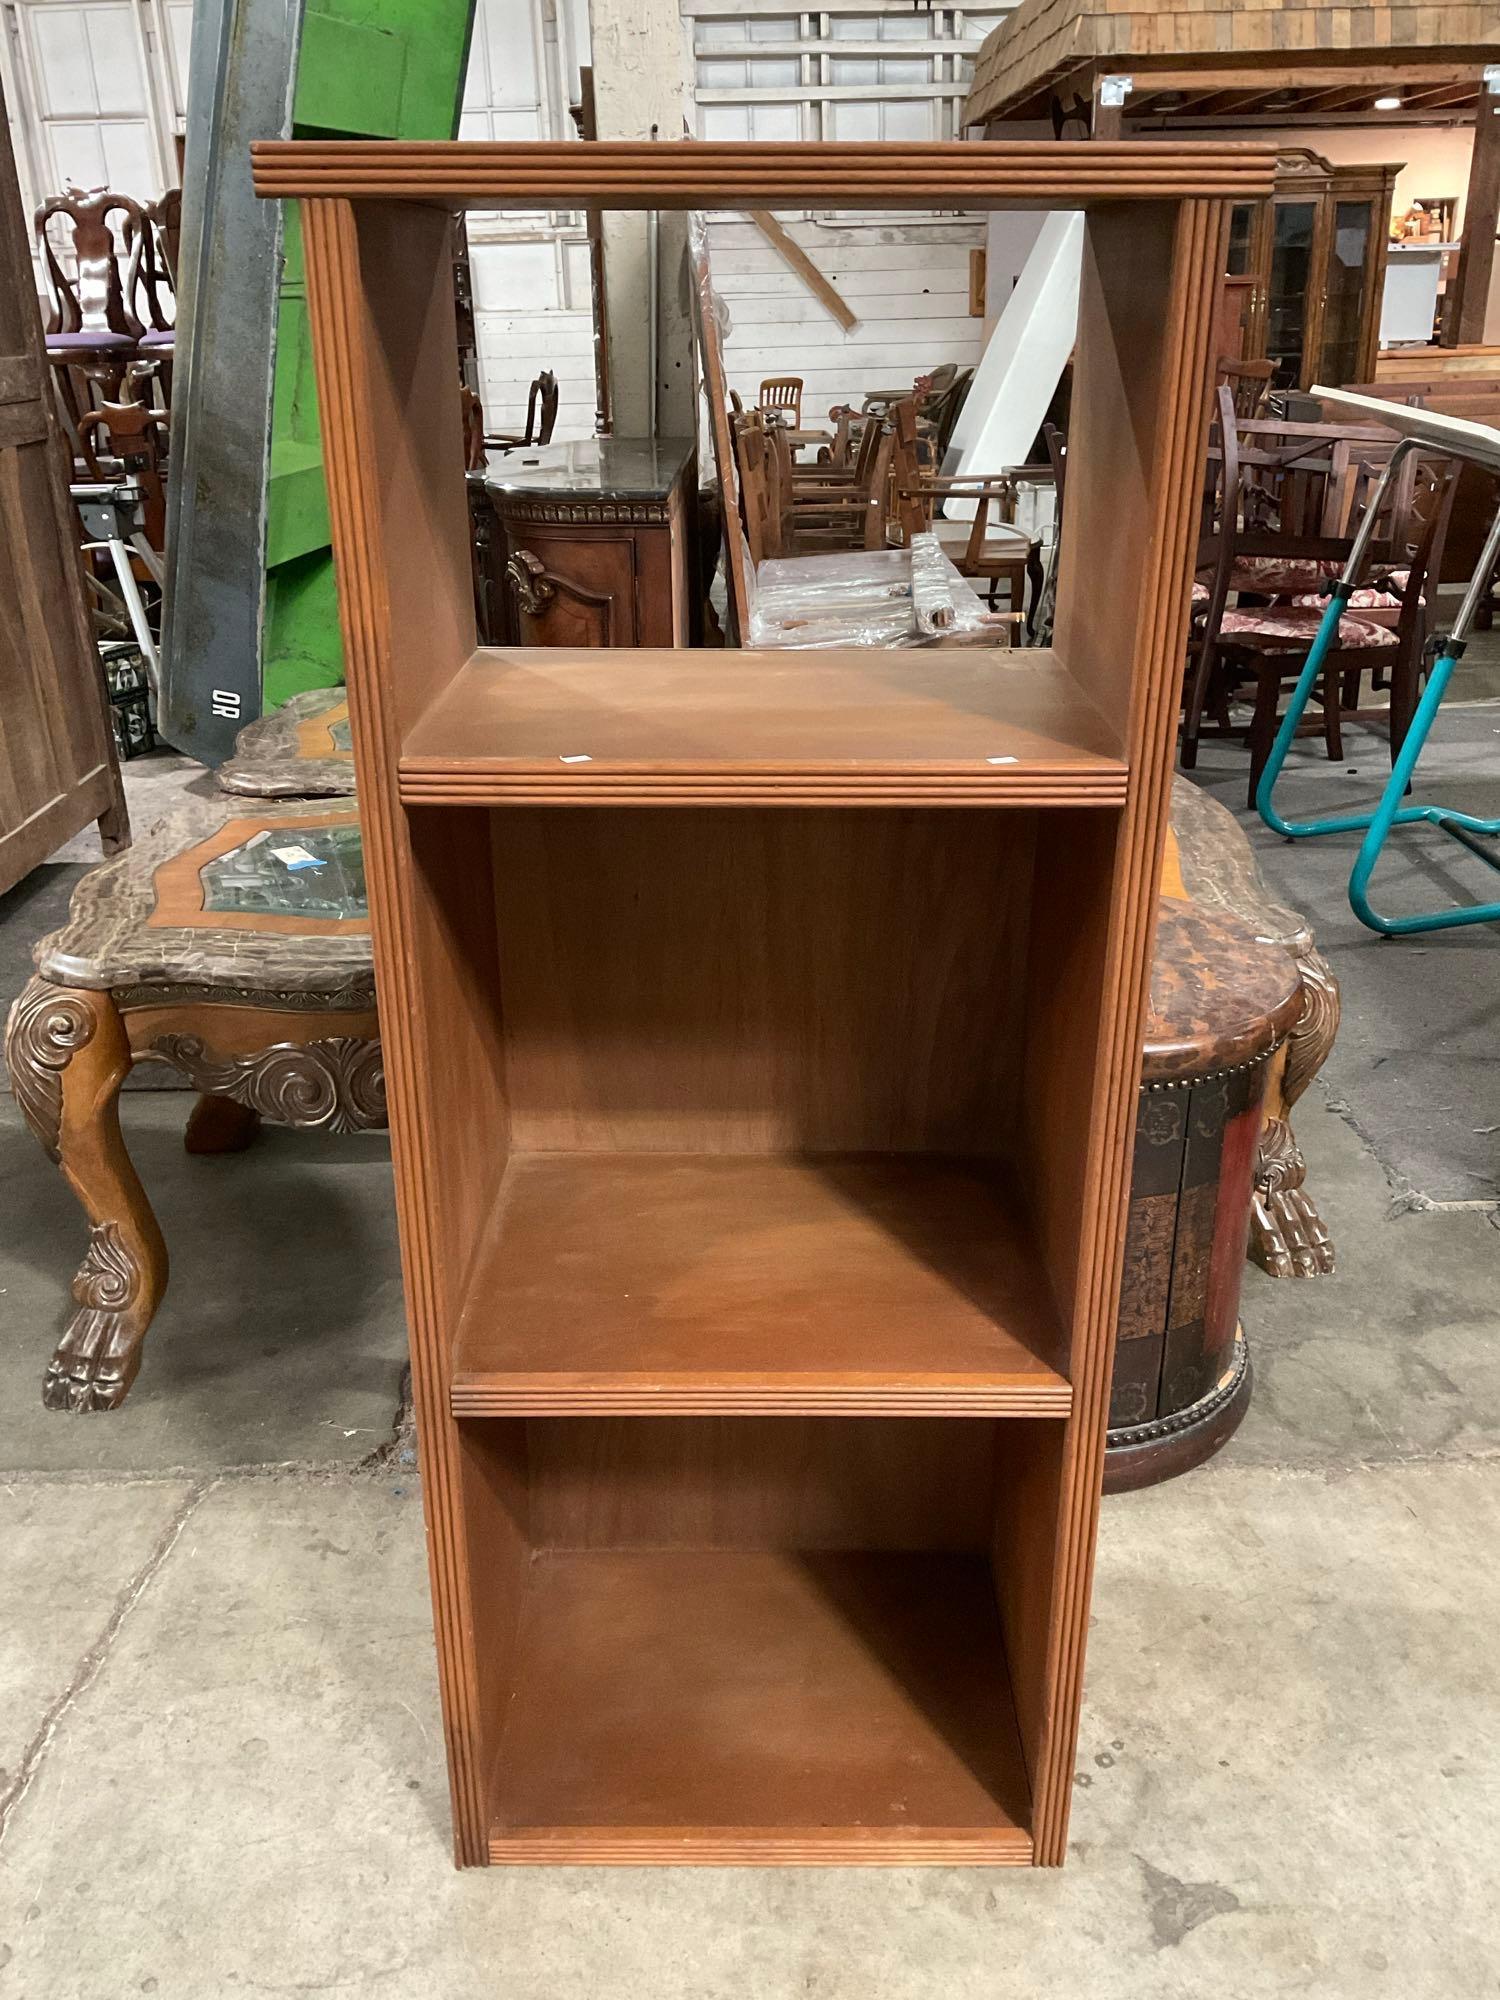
<point>912,299</point>
<point>93,95</point>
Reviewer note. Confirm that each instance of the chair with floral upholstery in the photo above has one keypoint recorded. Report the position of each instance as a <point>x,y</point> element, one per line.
<point>1280,513</point>
<point>1383,632</point>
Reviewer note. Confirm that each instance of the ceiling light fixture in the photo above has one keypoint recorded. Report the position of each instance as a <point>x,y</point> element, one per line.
<point>1388,104</point>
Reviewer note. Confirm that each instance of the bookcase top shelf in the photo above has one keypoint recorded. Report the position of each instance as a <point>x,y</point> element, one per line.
<point>738,174</point>
<point>846,726</point>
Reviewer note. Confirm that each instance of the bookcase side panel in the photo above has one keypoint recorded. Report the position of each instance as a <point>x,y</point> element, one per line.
<point>380,296</point>
<point>1145,368</point>
<point>1115,414</point>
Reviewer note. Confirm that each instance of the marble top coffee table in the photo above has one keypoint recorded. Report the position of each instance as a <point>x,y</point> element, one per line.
<point>231,942</point>
<point>302,751</point>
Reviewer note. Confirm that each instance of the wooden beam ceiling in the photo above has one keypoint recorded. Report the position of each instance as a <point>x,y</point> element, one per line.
<point>1047,48</point>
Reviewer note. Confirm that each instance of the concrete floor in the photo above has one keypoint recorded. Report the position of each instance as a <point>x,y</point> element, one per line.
<point>222,1764</point>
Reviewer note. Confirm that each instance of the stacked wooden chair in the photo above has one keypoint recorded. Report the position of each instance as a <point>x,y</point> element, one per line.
<point>541,417</point>
<point>109,267</point>
<point>1280,511</point>
<point>818,509</point>
<point>781,396</point>
<point>989,548</point>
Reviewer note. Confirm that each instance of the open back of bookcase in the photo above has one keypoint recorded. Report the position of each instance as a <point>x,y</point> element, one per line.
<point>762,1035</point>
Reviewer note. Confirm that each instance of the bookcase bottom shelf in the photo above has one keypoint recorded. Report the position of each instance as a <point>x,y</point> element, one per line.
<point>765,1707</point>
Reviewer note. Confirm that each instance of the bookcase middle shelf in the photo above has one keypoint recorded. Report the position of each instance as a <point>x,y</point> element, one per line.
<point>702,1284</point>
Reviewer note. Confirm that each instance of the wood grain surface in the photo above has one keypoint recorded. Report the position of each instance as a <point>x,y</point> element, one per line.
<point>679,1282</point>
<point>845,725</point>
<point>713,1636</point>
<point>742,174</point>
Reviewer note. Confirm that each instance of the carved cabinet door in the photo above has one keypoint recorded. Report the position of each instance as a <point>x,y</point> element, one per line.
<point>574,592</point>
<point>57,757</point>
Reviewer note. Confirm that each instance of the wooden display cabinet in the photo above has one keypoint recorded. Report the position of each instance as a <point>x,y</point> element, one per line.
<point>1305,272</point>
<point>763,1035</point>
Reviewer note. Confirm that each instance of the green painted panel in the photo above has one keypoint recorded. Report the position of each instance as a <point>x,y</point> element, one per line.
<point>296,502</point>
<point>371,69</point>
<point>350,77</point>
<point>303,648</point>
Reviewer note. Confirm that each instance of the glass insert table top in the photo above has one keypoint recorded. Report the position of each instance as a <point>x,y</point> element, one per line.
<point>294,871</point>
<point>342,740</point>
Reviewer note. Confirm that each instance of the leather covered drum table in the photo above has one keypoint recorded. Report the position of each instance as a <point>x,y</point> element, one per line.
<point>1223,1002</point>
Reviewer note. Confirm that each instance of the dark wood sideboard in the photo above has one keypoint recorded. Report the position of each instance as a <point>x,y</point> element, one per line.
<point>588,544</point>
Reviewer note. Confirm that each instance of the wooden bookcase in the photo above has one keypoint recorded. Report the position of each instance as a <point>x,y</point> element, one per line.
<point>763,1034</point>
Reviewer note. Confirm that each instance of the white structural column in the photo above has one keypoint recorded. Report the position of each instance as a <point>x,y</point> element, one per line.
<point>1023,359</point>
<point>641,92</point>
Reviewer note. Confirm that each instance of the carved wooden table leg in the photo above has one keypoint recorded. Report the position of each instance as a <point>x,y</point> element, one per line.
<point>1287,1235</point>
<point>68,1055</point>
<point>218,1124</point>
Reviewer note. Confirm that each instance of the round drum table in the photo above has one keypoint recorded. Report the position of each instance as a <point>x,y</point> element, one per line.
<point>1222,1003</point>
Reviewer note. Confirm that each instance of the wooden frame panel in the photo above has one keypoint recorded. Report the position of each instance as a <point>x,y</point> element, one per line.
<point>1140,412</point>
<point>382,316</point>
<point>58,766</point>
<point>382,323</point>
<point>741,174</point>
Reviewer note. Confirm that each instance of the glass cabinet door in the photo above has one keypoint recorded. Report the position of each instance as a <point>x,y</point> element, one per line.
<point>1293,224</point>
<point>1345,283</point>
<point>1241,239</point>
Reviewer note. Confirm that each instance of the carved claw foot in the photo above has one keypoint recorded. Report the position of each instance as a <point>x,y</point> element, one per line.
<point>68,1054</point>
<point>97,1358</point>
<point>1287,1236</point>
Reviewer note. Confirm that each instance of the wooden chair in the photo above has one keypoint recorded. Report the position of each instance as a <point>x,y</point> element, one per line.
<point>1280,508</point>
<point>849,427</point>
<point>473,420</point>
<point>1273,642</point>
<point>942,400</point>
<point>829,507</point>
<point>1478,398</point>
<point>992,550</point>
<point>154,301</point>
<point>133,435</point>
<point>781,395</point>
<point>1384,631</point>
<point>763,527</point>
<point>801,510</point>
<point>1249,383</point>
<point>541,417</point>
<point>91,330</point>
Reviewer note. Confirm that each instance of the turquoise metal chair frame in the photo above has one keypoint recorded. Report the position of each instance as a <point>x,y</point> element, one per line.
<point>1471,832</point>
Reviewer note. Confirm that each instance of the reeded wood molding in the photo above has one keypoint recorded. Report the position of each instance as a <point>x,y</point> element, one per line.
<point>1198,254</point>
<point>340,330</point>
<point>739,174</point>
<point>718,1395</point>
<point>755,1847</point>
<point>482,784</point>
